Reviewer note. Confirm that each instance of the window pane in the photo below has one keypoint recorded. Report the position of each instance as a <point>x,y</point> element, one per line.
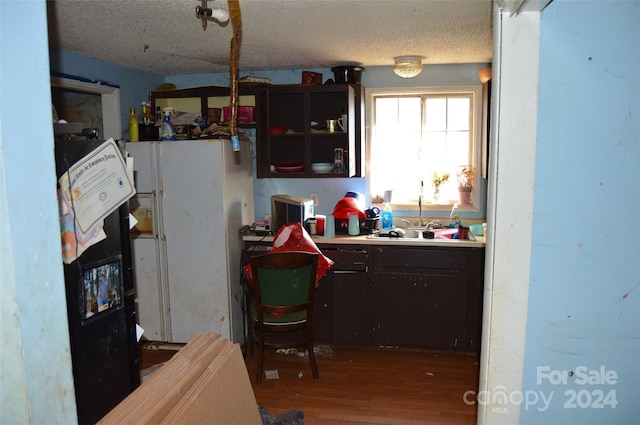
<point>415,136</point>
<point>409,114</point>
<point>386,112</point>
<point>458,152</point>
<point>458,114</point>
<point>436,150</point>
<point>397,132</point>
<point>436,114</point>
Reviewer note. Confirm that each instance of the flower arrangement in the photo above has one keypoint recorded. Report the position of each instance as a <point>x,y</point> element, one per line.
<point>465,179</point>
<point>438,179</point>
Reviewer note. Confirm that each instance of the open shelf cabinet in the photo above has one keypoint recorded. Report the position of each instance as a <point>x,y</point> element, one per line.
<point>295,108</point>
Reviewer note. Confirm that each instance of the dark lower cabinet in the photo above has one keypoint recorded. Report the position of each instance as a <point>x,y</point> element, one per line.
<point>443,313</point>
<point>351,308</point>
<point>419,310</point>
<point>427,297</point>
<point>350,299</point>
<point>405,296</point>
<point>323,310</point>
<point>396,308</point>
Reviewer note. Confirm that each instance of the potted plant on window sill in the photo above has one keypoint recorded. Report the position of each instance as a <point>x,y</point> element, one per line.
<point>437,180</point>
<point>465,185</point>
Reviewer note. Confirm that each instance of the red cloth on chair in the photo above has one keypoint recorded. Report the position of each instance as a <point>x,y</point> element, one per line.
<point>293,237</point>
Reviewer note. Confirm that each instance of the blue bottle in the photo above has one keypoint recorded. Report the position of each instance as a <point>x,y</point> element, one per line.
<point>387,217</point>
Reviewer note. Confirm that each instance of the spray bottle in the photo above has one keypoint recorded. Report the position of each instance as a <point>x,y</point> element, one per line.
<point>454,218</point>
<point>167,130</point>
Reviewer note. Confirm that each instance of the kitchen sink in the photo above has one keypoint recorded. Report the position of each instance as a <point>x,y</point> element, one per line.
<point>415,235</point>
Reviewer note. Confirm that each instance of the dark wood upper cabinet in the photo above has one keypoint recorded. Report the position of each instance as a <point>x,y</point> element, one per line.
<point>292,124</point>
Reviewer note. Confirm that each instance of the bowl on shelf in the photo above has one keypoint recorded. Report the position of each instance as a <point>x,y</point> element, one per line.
<point>322,167</point>
<point>277,129</point>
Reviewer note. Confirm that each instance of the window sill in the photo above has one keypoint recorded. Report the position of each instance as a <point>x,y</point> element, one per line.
<point>430,207</point>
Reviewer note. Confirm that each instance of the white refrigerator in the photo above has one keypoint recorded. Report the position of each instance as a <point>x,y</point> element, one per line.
<point>193,199</point>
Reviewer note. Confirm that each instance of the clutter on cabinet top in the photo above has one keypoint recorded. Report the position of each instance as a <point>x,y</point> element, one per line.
<point>182,118</point>
<point>309,77</point>
<point>252,79</point>
<point>165,87</point>
<point>191,125</point>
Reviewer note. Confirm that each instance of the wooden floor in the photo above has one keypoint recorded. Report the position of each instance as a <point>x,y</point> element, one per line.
<point>384,386</point>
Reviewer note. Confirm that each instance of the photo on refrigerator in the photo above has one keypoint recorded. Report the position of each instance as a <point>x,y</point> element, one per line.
<point>101,289</point>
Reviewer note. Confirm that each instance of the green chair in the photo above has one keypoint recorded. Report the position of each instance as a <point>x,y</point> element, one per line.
<point>281,300</point>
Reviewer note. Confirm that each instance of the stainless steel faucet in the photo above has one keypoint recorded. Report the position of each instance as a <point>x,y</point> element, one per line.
<point>434,224</point>
<point>420,204</point>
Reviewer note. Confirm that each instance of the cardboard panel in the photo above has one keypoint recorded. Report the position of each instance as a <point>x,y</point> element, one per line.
<point>206,379</point>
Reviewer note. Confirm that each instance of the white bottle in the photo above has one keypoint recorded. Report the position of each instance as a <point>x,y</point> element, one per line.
<point>167,130</point>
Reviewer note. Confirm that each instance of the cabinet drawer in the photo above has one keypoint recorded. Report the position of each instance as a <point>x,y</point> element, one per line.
<point>392,257</point>
<point>347,260</point>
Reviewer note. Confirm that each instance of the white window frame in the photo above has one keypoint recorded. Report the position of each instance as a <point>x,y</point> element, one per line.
<point>476,148</point>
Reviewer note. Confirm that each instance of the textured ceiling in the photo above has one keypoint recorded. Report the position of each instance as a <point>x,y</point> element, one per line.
<point>166,37</point>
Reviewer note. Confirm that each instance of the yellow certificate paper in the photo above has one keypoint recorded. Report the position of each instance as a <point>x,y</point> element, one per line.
<point>97,185</point>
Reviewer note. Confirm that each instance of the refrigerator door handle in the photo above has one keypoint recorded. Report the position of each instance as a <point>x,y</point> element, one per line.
<point>166,294</point>
<point>166,289</point>
<point>154,221</point>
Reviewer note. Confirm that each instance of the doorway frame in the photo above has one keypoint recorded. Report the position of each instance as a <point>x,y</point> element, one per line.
<point>510,198</point>
<point>110,95</point>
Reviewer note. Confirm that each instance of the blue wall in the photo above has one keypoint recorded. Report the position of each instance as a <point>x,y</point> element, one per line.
<point>584,293</point>
<point>35,362</point>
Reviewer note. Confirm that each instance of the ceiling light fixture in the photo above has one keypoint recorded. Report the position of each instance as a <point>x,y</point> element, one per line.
<point>407,66</point>
<point>205,13</point>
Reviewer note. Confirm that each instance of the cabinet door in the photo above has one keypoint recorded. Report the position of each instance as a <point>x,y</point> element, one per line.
<point>351,308</point>
<point>428,297</point>
<point>323,310</point>
<point>330,104</point>
<point>396,308</point>
<point>443,312</point>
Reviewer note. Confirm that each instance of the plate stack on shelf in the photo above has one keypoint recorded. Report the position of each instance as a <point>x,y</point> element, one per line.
<point>289,167</point>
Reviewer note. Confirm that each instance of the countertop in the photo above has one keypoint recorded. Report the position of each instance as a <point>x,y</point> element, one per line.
<point>372,240</point>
